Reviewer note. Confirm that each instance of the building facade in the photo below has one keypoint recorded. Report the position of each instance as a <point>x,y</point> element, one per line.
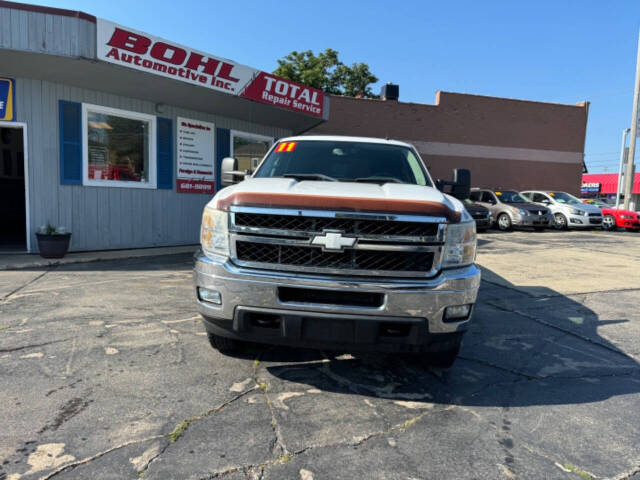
<point>118,135</point>
<point>505,143</point>
<point>605,186</point>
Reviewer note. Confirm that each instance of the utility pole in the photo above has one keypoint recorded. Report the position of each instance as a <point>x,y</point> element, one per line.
<point>629,171</point>
<point>625,132</point>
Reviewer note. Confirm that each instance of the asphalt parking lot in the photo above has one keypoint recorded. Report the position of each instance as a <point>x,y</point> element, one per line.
<point>106,373</point>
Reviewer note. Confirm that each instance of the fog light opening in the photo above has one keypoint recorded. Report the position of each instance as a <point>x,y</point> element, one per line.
<point>209,296</point>
<point>264,320</point>
<point>457,313</point>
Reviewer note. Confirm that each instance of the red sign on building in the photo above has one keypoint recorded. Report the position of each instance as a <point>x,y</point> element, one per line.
<point>138,50</point>
<point>283,93</point>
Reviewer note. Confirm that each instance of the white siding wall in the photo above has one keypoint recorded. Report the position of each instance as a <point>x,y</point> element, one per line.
<point>47,33</point>
<point>102,217</point>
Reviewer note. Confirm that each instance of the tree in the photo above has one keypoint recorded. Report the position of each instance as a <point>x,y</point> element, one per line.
<point>326,72</point>
<point>357,80</point>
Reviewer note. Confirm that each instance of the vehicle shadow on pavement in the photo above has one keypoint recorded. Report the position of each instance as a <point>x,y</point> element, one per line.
<point>521,350</point>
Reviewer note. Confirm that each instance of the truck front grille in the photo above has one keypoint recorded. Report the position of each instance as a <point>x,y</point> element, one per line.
<point>349,259</point>
<point>346,225</point>
<point>383,245</point>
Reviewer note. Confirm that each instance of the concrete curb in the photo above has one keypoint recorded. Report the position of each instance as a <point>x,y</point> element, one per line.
<point>23,261</point>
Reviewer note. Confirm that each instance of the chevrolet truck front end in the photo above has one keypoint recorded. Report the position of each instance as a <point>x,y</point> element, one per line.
<point>334,279</point>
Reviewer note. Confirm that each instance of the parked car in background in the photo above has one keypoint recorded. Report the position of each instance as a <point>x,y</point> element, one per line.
<point>509,209</point>
<point>480,214</point>
<point>568,211</point>
<point>613,218</point>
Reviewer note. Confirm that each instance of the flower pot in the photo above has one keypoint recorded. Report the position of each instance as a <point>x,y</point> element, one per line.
<point>53,246</point>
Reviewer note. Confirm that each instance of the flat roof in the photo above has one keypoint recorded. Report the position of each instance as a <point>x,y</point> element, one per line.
<point>581,104</point>
<point>27,7</point>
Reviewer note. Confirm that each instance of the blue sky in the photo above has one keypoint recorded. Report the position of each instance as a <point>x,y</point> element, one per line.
<point>547,50</point>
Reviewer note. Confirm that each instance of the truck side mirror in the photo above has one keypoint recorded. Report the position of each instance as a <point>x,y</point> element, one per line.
<point>229,173</point>
<point>461,185</point>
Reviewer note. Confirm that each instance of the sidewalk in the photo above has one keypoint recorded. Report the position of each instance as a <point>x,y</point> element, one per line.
<point>12,261</point>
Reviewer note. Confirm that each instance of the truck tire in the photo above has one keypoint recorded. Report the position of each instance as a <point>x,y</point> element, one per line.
<point>223,344</point>
<point>504,222</point>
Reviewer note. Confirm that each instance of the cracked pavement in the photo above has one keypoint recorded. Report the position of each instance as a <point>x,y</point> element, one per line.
<point>106,373</point>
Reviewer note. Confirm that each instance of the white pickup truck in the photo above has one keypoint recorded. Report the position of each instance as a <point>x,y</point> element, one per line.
<point>343,243</point>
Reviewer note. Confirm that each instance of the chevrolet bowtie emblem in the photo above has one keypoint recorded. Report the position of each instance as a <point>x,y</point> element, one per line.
<point>333,241</point>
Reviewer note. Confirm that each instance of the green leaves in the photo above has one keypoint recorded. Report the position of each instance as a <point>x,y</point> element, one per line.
<point>326,72</point>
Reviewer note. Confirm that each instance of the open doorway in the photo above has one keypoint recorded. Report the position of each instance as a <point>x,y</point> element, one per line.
<point>13,208</point>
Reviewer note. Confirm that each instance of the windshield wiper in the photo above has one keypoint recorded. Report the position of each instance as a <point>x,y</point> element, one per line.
<point>310,176</point>
<point>378,180</point>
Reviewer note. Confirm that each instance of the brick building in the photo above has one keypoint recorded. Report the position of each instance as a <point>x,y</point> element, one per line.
<point>505,143</point>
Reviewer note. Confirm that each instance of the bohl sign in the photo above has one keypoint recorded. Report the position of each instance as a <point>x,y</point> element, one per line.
<point>134,49</point>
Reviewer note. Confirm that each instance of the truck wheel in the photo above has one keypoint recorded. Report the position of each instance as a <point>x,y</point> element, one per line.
<point>223,344</point>
<point>504,222</point>
<point>560,221</point>
<point>608,222</point>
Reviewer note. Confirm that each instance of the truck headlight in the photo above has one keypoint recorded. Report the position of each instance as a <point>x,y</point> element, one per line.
<point>214,232</point>
<point>460,245</point>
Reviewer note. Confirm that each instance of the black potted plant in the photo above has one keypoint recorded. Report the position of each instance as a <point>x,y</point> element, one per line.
<point>53,242</point>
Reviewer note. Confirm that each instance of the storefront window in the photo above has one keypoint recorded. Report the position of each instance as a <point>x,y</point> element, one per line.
<point>119,148</point>
<point>249,149</point>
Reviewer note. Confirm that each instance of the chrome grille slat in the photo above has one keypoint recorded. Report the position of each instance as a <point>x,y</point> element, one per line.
<point>346,225</point>
<point>351,259</point>
<point>387,245</point>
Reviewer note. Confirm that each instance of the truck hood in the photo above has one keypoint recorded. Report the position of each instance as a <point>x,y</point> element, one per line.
<point>343,196</point>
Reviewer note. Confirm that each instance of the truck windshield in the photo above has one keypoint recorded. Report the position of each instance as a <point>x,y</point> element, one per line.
<point>563,197</point>
<point>345,162</point>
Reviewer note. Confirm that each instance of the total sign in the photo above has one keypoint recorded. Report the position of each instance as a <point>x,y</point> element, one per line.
<point>285,93</point>
<point>141,51</point>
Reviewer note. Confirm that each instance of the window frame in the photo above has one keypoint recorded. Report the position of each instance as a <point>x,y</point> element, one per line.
<point>420,162</point>
<point>253,136</point>
<point>152,182</point>
<point>489,196</point>
<point>479,195</point>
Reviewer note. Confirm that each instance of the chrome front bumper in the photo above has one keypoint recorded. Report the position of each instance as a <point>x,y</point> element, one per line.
<point>405,300</point>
